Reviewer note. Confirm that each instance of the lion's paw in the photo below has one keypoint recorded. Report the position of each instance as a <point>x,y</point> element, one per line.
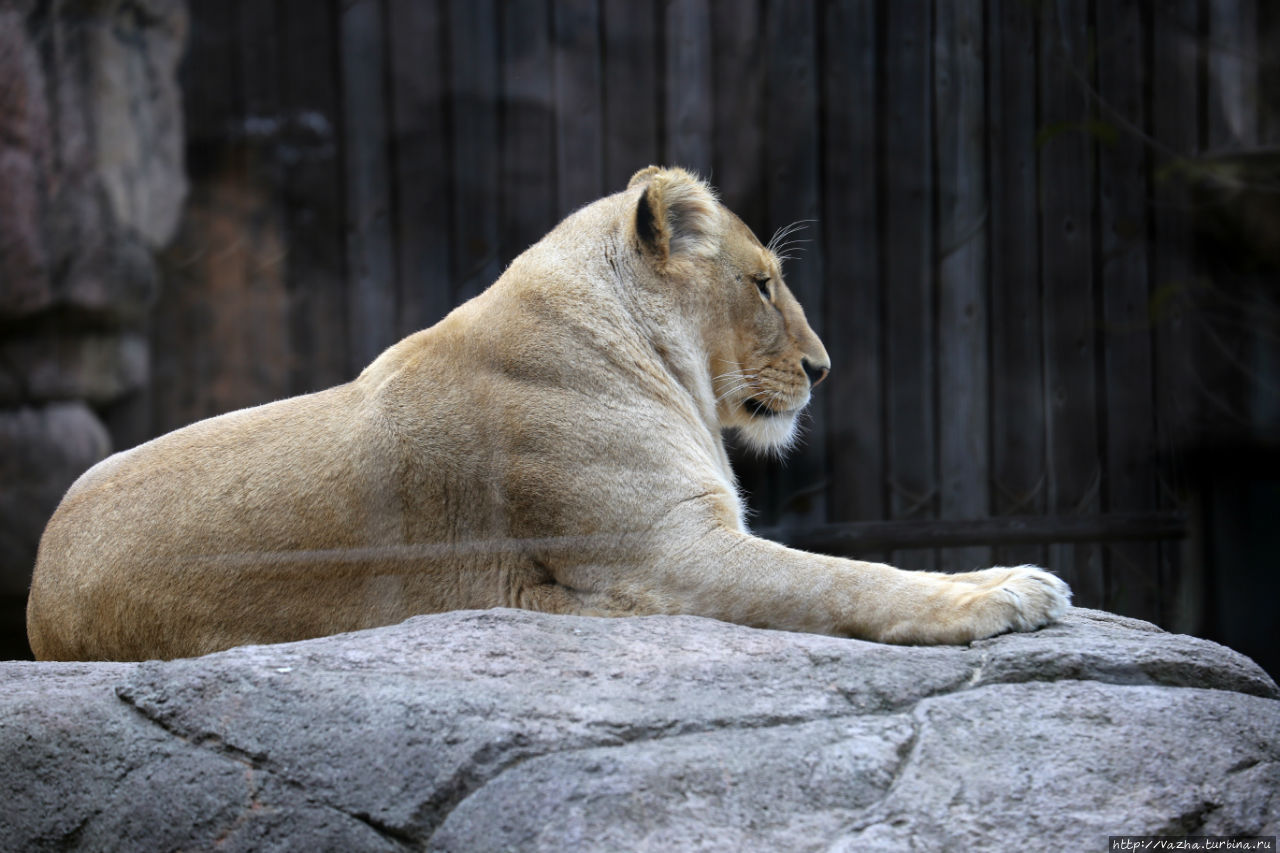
<point>1020,598</point>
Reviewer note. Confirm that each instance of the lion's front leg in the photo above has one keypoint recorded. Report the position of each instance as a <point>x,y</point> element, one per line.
<point>740,578</point>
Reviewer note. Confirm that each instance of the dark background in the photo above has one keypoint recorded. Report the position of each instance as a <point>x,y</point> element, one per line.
<point>1043,244</point>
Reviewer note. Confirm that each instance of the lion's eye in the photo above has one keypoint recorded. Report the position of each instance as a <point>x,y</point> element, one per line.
<point>762,282</point>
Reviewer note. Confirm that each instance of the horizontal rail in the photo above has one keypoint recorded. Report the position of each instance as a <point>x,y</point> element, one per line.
<point>901,534</point>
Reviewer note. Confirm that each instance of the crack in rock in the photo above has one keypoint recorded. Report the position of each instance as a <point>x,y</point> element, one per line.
<point>207,740</point>
<point>633,735</point>
<point>254,763</point>
<point>1191,821</point>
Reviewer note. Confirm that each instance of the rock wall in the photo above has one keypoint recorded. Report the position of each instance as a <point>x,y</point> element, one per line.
<point>512,730</point>
<point>91,187</point>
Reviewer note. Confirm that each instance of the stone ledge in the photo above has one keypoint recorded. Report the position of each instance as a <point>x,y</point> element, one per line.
<point>509,729</point>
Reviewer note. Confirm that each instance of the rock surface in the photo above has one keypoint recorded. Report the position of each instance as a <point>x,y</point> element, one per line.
<point>508,729</point>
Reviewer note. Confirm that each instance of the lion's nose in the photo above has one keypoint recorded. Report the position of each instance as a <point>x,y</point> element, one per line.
<point>815,372</point>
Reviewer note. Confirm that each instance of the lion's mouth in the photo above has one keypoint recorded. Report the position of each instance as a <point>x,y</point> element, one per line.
<point>757,409</point>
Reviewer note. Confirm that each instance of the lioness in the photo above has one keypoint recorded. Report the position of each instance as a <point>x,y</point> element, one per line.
<point>553,444</point>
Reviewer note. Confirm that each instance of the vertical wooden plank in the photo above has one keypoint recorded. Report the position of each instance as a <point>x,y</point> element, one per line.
<point>209,110</point>
<point>1017,386</point>
<point>223,316</point>
<point>906,199</point>
<point>738,109</point>
<point>1238,356</point>
<point>220,327</point>
<point>632,91</point>
<point>313,195</point>
<point>1232,64</point>
<point>371,295</point>
<point>1132,568</point>
<point>474,75</point>
<point>959,96</point>
<point>855,443</point>
<point>579,159</point>
<point>528,187</point>
<point>738,166</point>
<point>1070,327</point>
<point>1227,351</point>
<point>259,76</point>
<point>1238,56</point>
<point>1174,122</point>
<point>209,92</point>
<point>1269,74</point>
<point>420,135</point>
<point>262,355</point>
<point>1266,352</point>
<point>792,101</point>
<point>688,85</point>
<point>793,185</point>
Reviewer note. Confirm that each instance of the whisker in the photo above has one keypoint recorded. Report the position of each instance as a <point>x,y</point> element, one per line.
<point>735,377</point>
<point>735,389</point>
<point>741,381</point>
<point>776,242</point>
<point>784,251</point>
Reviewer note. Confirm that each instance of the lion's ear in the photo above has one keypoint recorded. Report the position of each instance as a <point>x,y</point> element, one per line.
<point>677,214</point>
<point>643,176</point>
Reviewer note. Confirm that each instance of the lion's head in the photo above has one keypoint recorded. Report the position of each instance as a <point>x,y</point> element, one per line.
<point>764,359</point>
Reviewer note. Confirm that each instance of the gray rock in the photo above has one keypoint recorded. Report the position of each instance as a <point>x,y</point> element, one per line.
<point>136,109</point>
<point>508,729</point>
<point>60,365</point>
<point>24,136</point>
<point>89,189</point>
<point>42,452</point>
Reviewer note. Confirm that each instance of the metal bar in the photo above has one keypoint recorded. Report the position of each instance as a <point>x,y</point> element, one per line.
<point>1010,530</point>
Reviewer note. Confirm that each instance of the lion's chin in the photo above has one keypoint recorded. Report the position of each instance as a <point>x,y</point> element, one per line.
<point>770,432</point>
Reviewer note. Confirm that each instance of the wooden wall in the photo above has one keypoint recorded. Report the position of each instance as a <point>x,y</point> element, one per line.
<point>1003,251</point>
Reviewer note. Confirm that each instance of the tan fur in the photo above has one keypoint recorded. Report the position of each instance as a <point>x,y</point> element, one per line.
<point>553,444</point>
